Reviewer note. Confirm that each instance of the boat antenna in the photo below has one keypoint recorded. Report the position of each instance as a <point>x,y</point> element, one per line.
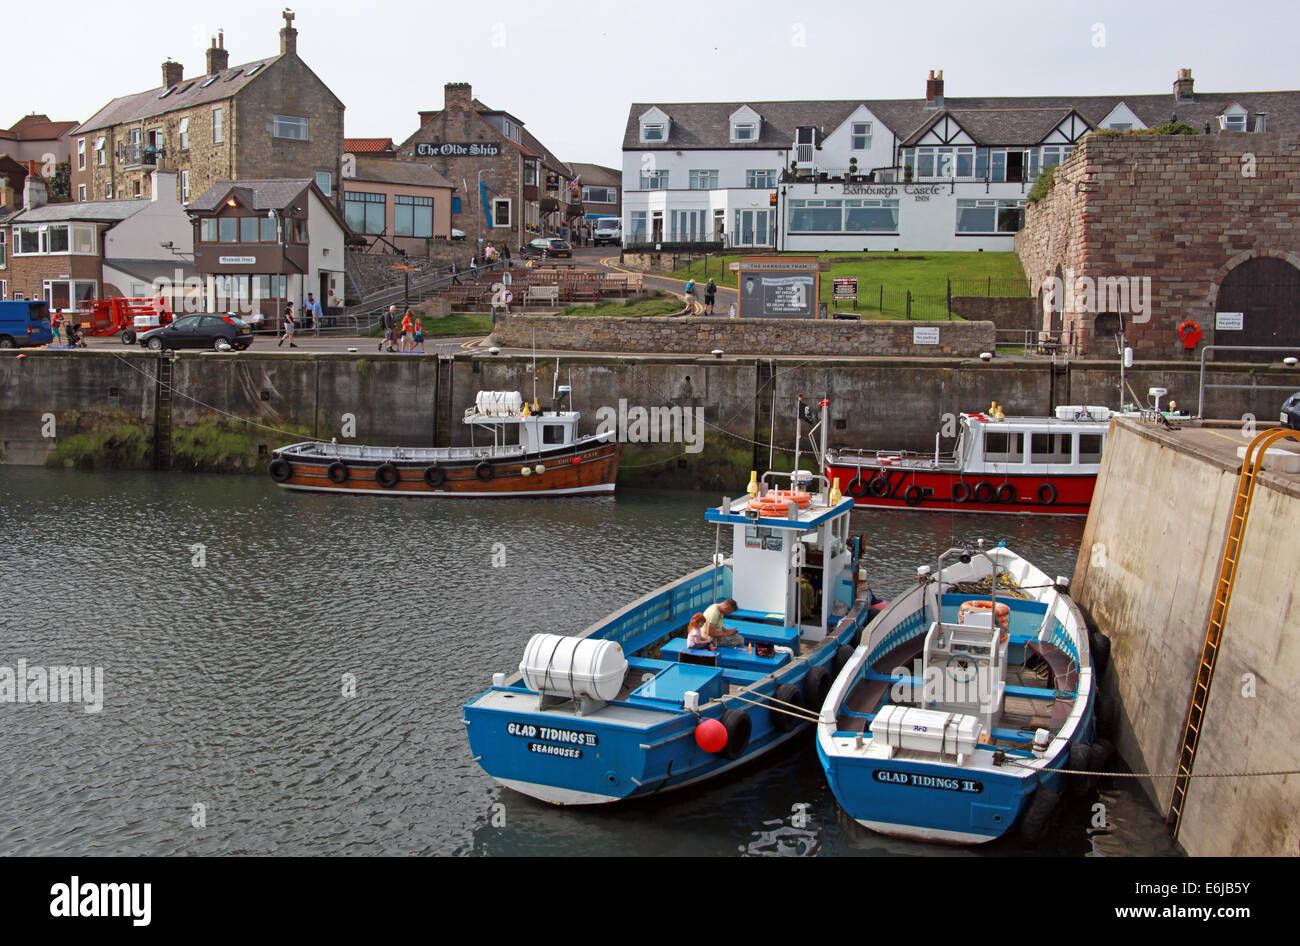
<point>825,405</point>
<point>798,435</point>
<point>534,367</point>
<point>771,433</point>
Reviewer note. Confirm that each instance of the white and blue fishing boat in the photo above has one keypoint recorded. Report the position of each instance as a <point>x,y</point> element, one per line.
<point>626,709</point>
<point>952,717</point>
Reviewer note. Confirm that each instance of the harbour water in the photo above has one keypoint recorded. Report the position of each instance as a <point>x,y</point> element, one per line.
<point>283,672</point>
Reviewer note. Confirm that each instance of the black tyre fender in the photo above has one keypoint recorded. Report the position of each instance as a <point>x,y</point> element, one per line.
<point>1099,643</point>
<point>337,472</point>
<point>484,471</point>
<point>1107,714</point>
<point>879,485</point>
<point>1102,753</point>
<point>786,693</point>
<point>281,469</point>
<point>960,492</point>
<point>1046,494</point>
<point>1038,817</point>
<point>738,726</point>
<point>434,476</point>
<point>983,491</point>
<point>1081,761</point>
<point>913,496</point>
<point>842,655</point>
<point>816,685</point>
<point>386,475</point>
<point>857,488</point>
<point>1006,493</point>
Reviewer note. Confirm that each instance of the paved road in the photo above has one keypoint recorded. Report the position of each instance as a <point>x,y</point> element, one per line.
<point>604,258</point>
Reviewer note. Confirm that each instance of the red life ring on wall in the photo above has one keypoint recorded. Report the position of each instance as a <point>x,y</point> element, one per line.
<point>1190,333</point>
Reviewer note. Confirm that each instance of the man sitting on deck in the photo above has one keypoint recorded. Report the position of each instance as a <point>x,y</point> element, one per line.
<point>714,632</point>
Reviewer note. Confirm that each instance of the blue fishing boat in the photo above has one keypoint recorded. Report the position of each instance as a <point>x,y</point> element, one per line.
<point>952,717</point>
<point>627,708</point>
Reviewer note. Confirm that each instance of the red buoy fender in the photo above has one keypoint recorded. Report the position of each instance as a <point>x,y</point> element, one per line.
<point>711,735</point>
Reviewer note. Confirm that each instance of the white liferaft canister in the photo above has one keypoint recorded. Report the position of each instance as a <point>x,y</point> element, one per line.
<point>573,666</point>
<point>499,403</point>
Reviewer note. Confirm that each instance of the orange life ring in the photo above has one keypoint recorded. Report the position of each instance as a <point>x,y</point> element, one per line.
<point>779,501</point>
<point>1190,333</point>
<point>1002,612</point>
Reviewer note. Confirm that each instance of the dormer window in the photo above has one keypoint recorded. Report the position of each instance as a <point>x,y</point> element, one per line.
<point>1232,122</point>
<point>652,132</point>
<point>744,131</point>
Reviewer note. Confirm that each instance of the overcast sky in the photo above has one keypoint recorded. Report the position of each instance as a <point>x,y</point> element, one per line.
<point>570,69</point>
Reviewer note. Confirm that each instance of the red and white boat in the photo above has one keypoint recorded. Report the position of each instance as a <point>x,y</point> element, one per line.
<point>1034,465</point>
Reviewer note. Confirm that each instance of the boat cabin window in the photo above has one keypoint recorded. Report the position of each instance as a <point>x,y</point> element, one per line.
<point>1004,447</point>
<point>1090,447</point>
<point>1051,448</point>
<point>552,433</point>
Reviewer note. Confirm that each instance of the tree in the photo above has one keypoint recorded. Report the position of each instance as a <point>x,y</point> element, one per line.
<point>58,186</point>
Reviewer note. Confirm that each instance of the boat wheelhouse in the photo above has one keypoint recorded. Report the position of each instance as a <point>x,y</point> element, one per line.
<point>1000,464</point>
<point>528,453</point>
<point>951,720</point>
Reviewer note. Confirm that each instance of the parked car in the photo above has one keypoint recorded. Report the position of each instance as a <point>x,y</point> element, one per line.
<point>24,323</point>
<point>548,248</point>
<point>1291,412</point>
<point>200,331</point>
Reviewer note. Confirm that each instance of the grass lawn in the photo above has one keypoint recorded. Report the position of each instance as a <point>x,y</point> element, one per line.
<point>925,275</point>
<point>455,324</point>
<point>657,303</point>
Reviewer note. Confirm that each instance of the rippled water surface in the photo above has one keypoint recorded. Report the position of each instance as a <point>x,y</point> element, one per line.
<point>223,681</point>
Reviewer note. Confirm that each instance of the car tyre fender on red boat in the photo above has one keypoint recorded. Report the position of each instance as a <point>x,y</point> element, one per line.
<point>281,469</point>
<point>337,472</point>
<point>386,475</point>
<point>483,471</point>
<point>815,687</point>
<point>913,496</point>
<point>879,485</point>
<point>786,693</point>
<point>983,491</point>
<point>857,488</point>
<point>738,726</point>
<point>1006,493</point>
<point>434,476</point>
<point>960,492</point>
<point>1046,494</point>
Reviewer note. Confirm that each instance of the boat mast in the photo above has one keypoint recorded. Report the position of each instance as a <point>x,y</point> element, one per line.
<point>826,483</point>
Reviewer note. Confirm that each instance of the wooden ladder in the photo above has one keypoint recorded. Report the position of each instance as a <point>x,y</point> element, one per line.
<point>1250,468</point>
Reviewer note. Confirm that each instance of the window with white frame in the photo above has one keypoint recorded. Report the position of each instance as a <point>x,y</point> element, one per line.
<point>100,156</point>
<point>652,131</point>
<point>843,216</point>
<point>687,226</point>
<point>184,131</point>
<point>501,216</point>
<point>530,173</point>
<point>325,181</point>
<point>185,187</point>
<point>218,131</point>
<point>763,178</point>
<point>289,126</point>
<point>3,253</point>
<point>990,216</point>
<point>946,162</point>
<point>81,154</point>
<point>1121,126</point>
<point>1054,154</point>
<point>108,191</point>
<point>84,239</point>
<point>654,180</point>
<point>1232,122</point>
<point>81,192</point>
<point>861,136</point>
<point>744,131</point>
<point>703,180</point>
<point>599,195</point>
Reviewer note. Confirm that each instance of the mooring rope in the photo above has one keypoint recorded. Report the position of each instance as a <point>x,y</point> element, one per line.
<point>1035,768</point>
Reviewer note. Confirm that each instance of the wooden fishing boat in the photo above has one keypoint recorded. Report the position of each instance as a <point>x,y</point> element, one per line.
<point>545,456</point>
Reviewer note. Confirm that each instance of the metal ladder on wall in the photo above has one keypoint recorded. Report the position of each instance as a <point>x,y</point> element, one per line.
<point>163,413</point>
<point>1250,468</point>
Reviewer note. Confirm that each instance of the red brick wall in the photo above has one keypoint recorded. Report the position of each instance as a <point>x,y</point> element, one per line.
<point>1180,210</point>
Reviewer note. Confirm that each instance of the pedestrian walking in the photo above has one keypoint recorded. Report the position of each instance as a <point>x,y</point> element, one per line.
<point>314,310</point>
<point>419,337</point>
<point>389,320</point>
<point>288,327</point>
<point>473,268</point>
<point>710,296</point>
<point>56,324</point>
<point>690,296</point>
<point>455,274</point>
<point>408,331</point>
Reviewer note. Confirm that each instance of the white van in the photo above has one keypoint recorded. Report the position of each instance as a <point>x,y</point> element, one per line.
<point>607,230</point>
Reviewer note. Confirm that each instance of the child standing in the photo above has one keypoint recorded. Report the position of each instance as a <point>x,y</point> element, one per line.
<point>419,337</point>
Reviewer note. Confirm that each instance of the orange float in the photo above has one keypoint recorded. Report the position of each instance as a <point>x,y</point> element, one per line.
<point>1002,614</point>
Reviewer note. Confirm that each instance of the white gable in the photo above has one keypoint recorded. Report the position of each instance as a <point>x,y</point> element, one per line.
<point>746,125</point>
<point>1068,131</point>
<point>1121,115</point>
<point>946,131</point>
<point>656,126</point>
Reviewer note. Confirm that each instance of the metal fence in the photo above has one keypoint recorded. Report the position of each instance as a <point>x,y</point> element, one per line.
<point>1292,353</point>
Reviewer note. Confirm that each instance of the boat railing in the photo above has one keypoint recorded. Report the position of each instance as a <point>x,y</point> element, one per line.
<point>865,454</point>
<point>825,484</point>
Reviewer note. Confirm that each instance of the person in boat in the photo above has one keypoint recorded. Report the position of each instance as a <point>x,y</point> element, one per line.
<point>713,628</point>
<point>696,639</point>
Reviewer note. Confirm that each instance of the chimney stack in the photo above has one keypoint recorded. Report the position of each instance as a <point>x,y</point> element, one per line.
<point>288,35</point>
<point>1183,87</point>
<point>426,117</point>
<point>218,57</point>
<point>934,90</point>
<point>6,194</point>
<point>457,95</point>
<point>33,193</point>
<point>173,72</point>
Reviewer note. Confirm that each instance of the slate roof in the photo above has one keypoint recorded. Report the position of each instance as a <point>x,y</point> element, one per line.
<point>268,194</point>
<point>189,92</point>
<point>1023,120</point>
<point>385,171</point>
<point>597,174</point>
<point>96,211</point>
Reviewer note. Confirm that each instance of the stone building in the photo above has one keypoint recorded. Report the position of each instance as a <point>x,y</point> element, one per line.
<point>269,118</point>
<point>514,188</point>
<point>398,207</point>
<point>1149,231</point>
